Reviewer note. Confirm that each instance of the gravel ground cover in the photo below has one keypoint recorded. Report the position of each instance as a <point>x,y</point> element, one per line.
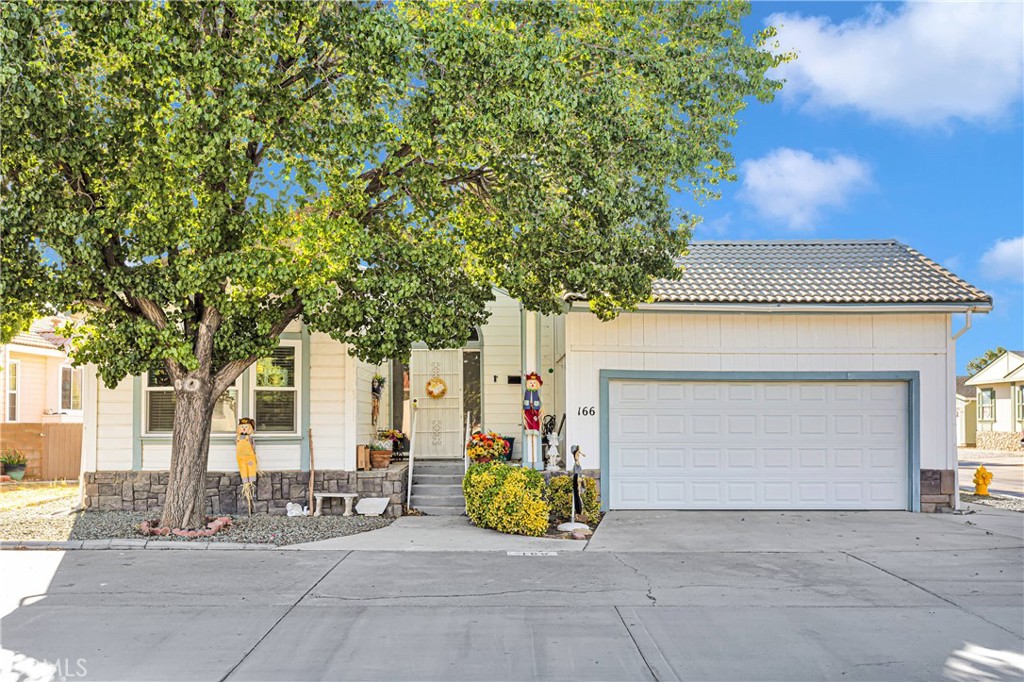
<point>1002,502</point>
<point>19,495</point>
<point>53,520</point>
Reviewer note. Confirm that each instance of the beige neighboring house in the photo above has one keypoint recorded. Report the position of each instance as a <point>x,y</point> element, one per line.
<point>1000,402</point>
<point>39,383</point>
<point>966,413</point>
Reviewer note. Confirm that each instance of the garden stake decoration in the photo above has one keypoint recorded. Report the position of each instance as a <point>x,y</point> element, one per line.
<point>245,453</point>
<point>982,477</point>
<point>577,500</point>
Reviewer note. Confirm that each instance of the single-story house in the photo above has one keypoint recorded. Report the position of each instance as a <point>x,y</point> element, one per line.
<point>1000,402</point>
<point>770,375</point>
<point>966,413</point>
<point>41,401</point>
<point>40,384</point>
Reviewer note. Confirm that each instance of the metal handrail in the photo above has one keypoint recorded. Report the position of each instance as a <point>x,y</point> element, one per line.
<point>412,454</point>
<point>465,460</point>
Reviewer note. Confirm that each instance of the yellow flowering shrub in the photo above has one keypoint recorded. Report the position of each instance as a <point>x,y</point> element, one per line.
<point>507,499</point>
<point>560,496</point>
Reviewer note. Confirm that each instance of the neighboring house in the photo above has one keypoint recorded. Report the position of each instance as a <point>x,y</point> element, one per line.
<point>1000,402</point>
<point>770,375</point>
<point>41,401</point>
<point>40,384</point>
<point>966,412</point>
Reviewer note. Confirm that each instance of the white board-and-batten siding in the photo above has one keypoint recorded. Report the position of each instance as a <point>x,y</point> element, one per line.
<point>110,428</point>
<point>777,342</point>
<point>502,358</point>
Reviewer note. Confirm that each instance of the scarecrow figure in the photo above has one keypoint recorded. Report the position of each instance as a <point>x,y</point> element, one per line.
<point>377,388</point>
<point>245,453</point>
<point>531,403</point>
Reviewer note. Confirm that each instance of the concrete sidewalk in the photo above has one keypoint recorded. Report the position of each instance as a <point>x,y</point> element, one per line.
<point>440,534</point>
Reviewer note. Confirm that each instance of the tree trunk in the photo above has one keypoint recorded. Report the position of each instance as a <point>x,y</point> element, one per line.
<point>185,504</point>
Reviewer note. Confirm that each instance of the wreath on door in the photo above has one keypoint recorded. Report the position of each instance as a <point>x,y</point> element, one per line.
<point>436,388</point>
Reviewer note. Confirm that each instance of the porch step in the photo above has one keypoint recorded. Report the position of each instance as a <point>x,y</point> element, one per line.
<point>437,486</point>
<point>436,479</point>
<point>437,490</point>
<point>439,467</point>
<point>441,511</point>
<point>420,501</point>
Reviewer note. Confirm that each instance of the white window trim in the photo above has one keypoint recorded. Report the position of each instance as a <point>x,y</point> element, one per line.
<point>992,405</point>
<point>1018,393</point>
<point>147,390</point>
<point>298,388</point>
<point>60,388</point>
<point>17,392</point>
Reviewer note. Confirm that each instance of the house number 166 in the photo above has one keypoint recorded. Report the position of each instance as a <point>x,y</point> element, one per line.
<point>586,411</point>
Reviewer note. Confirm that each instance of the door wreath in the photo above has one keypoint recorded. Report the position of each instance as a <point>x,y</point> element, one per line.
<point>436,388</point>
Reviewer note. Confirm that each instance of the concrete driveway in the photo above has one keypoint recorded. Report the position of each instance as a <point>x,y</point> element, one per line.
<point>654,596</point>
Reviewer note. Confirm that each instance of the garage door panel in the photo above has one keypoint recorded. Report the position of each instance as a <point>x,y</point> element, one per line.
<point>759,445</point>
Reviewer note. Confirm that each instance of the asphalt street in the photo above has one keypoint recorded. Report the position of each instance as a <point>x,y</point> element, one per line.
<point>1007,470</point>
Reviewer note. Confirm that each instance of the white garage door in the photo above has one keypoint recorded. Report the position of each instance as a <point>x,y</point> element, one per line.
<point>757,445</point>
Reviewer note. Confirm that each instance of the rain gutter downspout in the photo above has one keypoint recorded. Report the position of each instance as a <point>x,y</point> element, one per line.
<point>967,324</point>
<point>957,506</point>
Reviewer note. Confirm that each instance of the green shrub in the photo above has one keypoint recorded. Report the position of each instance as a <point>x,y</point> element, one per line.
<point>507,499</point>
<point>560,496</point>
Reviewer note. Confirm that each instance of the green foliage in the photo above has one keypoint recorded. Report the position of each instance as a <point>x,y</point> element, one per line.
<point>197,175</point>
<point>983,361</point>
<point>507,499</point>
<point>13,457</point>
<point>560,497</point>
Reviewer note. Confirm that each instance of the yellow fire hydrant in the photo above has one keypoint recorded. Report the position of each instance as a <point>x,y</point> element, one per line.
<point>982,477</point>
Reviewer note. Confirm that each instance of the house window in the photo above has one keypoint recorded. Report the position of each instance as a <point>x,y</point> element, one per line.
<point>986,405</point>
<point>70,388</point>
<point>13,380</point>
<point>160,406</point>
<point>1020,402</point>
<point>275,392</point>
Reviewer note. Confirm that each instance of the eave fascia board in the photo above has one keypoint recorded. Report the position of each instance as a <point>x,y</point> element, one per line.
<point>672,306</point>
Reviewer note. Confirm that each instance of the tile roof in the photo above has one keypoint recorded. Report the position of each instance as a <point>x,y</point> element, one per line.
<point>809,272</point>
<point>32,340</point>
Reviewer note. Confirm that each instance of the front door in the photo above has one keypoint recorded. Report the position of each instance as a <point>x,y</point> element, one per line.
<point>438,419</point>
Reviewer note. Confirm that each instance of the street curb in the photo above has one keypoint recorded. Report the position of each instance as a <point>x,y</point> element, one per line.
<point>122,544</point>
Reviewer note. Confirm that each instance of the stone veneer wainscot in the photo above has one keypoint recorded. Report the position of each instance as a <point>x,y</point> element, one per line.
<point>146,490</point>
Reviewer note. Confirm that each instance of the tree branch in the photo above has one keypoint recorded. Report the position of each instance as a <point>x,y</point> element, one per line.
<point>231,371</point>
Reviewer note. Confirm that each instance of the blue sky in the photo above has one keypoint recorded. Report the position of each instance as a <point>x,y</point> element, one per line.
<point>899,120</point>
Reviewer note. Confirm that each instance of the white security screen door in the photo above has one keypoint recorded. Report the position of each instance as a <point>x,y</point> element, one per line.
<point>439,420</point>
<point>757,445</point>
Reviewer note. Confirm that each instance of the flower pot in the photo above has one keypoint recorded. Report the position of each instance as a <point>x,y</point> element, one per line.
<point>380,459</point>
<point>15,471</point>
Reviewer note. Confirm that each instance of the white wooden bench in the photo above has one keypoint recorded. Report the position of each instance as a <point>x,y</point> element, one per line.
<point>348,497</point>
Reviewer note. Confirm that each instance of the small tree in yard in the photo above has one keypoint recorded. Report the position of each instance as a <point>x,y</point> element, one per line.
<point>199,175</point>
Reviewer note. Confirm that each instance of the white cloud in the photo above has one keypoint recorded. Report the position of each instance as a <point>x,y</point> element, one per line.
<point>1005,260</point>
<point>793,187</point>
<point>925,63</point>
<point>717,227</point>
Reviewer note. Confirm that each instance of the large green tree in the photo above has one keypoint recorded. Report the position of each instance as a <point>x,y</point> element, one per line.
<point>199,175</point>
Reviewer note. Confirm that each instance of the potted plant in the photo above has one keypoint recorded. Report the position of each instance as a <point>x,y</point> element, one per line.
<point>380,454</point>
<point>14,463</point>
<point>486,447</point>
<point>397,438</point>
